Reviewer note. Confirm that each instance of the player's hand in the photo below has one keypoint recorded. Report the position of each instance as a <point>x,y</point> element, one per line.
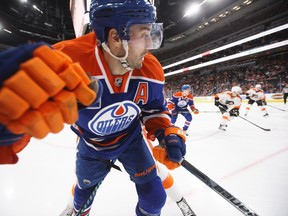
<point>172,147</point>
<point>234,112</point>
<point>216,102</point>
<point>195,111</point>
<point>40,89</point>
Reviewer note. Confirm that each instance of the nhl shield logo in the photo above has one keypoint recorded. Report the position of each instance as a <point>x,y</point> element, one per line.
<point>118,81</point>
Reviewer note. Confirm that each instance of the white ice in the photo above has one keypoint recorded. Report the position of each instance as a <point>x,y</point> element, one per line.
<point>248,162</point>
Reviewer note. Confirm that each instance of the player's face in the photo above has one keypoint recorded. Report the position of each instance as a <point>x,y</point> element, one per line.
<point>185,92</point>
<point>139,44</point>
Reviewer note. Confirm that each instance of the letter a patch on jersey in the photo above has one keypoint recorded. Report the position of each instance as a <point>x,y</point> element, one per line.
<point>141,93</point>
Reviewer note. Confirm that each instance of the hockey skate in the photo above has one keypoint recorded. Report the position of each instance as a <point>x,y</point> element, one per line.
<point>185,208</point>
<point>222,127</point>
<point>186,133</point>
<point>266,115</point>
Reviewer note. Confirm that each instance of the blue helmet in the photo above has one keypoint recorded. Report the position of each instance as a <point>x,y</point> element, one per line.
<point>119,14</point>
<point>185,87</point>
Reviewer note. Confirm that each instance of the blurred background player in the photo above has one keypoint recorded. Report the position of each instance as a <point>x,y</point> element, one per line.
<point>256,95</point>
<point>179,104</point>
<point>229,103</point>
<point>285,93</point>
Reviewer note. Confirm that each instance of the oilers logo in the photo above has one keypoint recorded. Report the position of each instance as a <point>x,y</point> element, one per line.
<point>114,118</point>
<point>182,103</point>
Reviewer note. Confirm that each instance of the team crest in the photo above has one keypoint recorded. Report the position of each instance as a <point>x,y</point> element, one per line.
<point>114,118</point>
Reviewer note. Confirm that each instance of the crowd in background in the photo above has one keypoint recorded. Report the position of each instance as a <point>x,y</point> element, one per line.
<point>271,71</point>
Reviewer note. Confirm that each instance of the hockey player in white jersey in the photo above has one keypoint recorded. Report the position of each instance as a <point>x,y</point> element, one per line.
<point>256,95</point>
<point>229,103</point>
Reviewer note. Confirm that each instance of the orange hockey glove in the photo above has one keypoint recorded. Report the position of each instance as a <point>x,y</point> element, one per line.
<point>172,147</point>
<point>194,110</point>
<point>160,154</point>
<point>42,93</point>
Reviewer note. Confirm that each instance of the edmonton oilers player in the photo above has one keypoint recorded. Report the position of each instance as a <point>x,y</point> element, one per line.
<point>179,103</point>
<point>130,81</point>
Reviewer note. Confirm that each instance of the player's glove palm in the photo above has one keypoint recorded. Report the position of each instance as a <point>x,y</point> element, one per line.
<point>40,89</point>
<point>172,147</point>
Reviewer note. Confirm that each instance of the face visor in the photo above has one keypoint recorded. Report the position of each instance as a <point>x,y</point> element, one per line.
<point>150,38</point>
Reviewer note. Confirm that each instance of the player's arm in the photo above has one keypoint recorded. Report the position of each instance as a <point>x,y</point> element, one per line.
<point>40,89</point>
<point>192,105</point>
<point>172,146</point>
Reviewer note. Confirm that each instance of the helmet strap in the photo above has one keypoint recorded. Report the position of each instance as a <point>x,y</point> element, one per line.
<point>123,60</point>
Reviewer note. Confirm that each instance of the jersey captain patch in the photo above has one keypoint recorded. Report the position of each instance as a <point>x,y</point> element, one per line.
<point>114,118</point>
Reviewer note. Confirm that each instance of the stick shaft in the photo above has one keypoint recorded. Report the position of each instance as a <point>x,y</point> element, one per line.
<point>276,108</point>
<point>265,129</point>
<point>218,189</point>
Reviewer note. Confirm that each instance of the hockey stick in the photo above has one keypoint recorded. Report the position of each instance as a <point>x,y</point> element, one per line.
<point>265,129</point>
<point>218,189</point>
<point>89,199</point>
<point>276,108</point>
<point>209,111</point>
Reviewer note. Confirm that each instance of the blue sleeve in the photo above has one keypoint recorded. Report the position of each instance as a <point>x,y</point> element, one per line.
<point>11,59</point>
<point>8,138</point>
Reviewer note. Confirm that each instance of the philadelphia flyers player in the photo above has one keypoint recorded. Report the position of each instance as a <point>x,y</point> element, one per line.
<point>229,103</point>
<point>256,95</point>
<point>180,103</point>
<point>131,83</point>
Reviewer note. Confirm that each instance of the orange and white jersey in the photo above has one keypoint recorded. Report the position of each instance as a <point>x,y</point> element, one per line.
<point>229,99</point>
<point>255,94</point>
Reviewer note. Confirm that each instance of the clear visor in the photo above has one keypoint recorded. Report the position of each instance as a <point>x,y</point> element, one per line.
<point>150,39</point>
<point>156,35</point>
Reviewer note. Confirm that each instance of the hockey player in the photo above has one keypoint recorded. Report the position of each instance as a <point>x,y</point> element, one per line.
<point>179,104</point>
<point>168,183</point>
<point>109,127</point>
<point>229,103</point>
<point>256,95</point>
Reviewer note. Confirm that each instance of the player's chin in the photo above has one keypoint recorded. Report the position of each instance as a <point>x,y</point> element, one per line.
<point>138,64</point>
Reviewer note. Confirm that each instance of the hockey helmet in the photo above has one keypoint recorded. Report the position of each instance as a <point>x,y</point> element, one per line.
<point>185,87</point>
<point>236,90</point>
<point>121,15</point>
<point>258,86</point>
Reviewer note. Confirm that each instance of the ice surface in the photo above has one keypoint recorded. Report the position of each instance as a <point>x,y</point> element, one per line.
<point>248,162</point>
